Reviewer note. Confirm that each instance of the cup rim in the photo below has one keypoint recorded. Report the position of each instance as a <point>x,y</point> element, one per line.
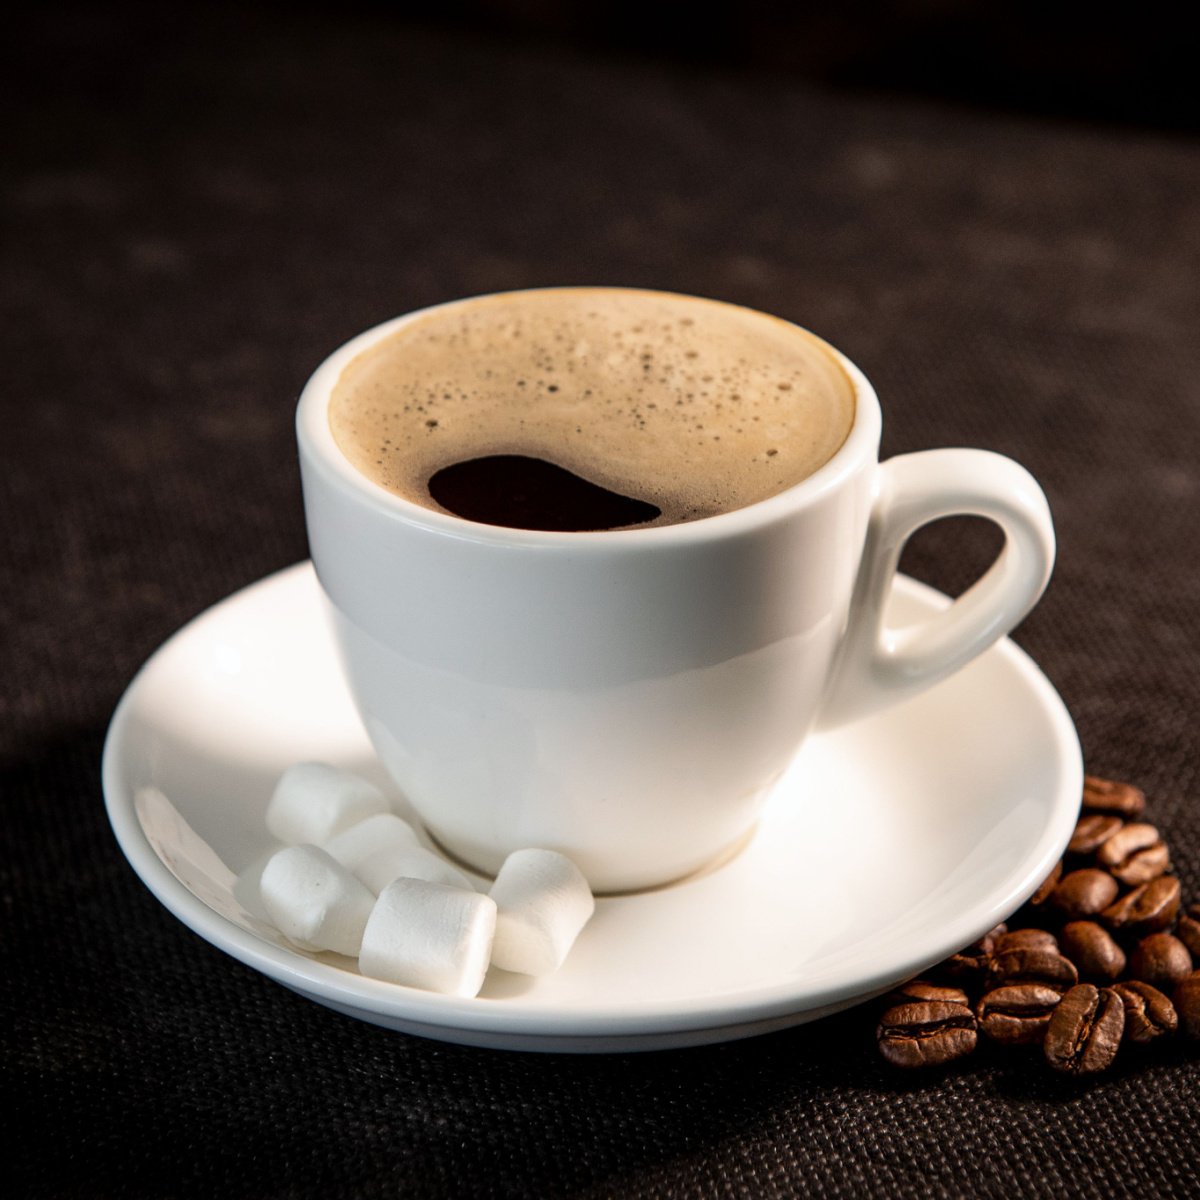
<point>317,444</point>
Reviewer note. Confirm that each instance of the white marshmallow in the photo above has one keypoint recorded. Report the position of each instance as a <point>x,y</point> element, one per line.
<point>381,834</point>
<point>314,900</point>
<point>429,935</point>
<point>384,848</point>
<point>411,862</point>
<point>314,802</point>
<point>543,901</point>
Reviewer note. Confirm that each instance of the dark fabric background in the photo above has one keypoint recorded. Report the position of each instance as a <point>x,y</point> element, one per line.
<point>196,210</point>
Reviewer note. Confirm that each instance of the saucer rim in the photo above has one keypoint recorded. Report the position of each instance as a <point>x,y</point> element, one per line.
<point>643,1024</point>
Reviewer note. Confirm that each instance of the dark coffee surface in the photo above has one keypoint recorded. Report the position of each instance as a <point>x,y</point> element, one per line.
<point>530,493</point>
<point>196,212</point>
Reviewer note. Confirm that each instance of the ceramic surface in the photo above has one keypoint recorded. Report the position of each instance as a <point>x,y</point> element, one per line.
<point>886,845</point>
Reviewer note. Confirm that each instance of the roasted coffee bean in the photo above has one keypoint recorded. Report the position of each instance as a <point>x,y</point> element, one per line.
<point>969,966</point>
<point>1092,949</point>
<point>1149,1015</point>
<point>1135,854</point>
<point>1146,909</point>
<point>1187,1004</point>
<point>1188,931</point>
<point>1084,893</point>
<point>1160,959</point>
<point>1032,966</point>
<point>1046,887</point>
<point>1085,1030</point>
<point>1027,939</point>
<point>926,1034</point>
<point>1109,796</point>
<point>920,991</point>
<point>987,943</point>
<point>1017,1015</point>
<point>1092,831</point>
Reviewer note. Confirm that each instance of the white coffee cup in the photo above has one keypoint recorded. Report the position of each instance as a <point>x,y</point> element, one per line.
<point>629,697</point>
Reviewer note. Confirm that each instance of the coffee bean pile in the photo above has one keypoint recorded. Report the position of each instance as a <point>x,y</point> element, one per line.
<point>1103,955</point>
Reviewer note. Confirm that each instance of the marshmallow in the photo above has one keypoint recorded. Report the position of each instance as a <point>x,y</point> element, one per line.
<point>314,900</point>
<point>384,848</point>
<point>413,862</point>
<point>543,901</point>
<point>429,935</point>
<point>313,802</point>
<point>378,835</point>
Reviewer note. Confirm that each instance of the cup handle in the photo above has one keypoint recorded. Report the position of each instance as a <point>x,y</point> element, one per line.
<point>877,666</point>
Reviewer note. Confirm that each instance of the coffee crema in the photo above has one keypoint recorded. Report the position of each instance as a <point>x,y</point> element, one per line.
<point>678,407</point>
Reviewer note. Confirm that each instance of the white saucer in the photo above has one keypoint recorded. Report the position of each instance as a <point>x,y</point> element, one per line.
<point>887,846</point>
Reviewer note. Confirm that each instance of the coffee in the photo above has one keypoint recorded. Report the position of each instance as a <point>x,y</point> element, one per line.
<point>1187,1005</point>
<point>530,493</point>
<point>1112,796</point>
<point>1092,831</point>
<point>1160,959</point>
<point>1085,1031</point>
<point>1017,1015</point>
<point>591,408</point>
<point>926,1033</point>
<point>1092,949</point>
<point>1084,893</point>
<point>1149,1015</point>
<point>1134,854</point>
<point>1026,965</point>
<point>1147,909</point>
<point>1189,930</point>
<point>1028,977</point>
<point>1027,939</point>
